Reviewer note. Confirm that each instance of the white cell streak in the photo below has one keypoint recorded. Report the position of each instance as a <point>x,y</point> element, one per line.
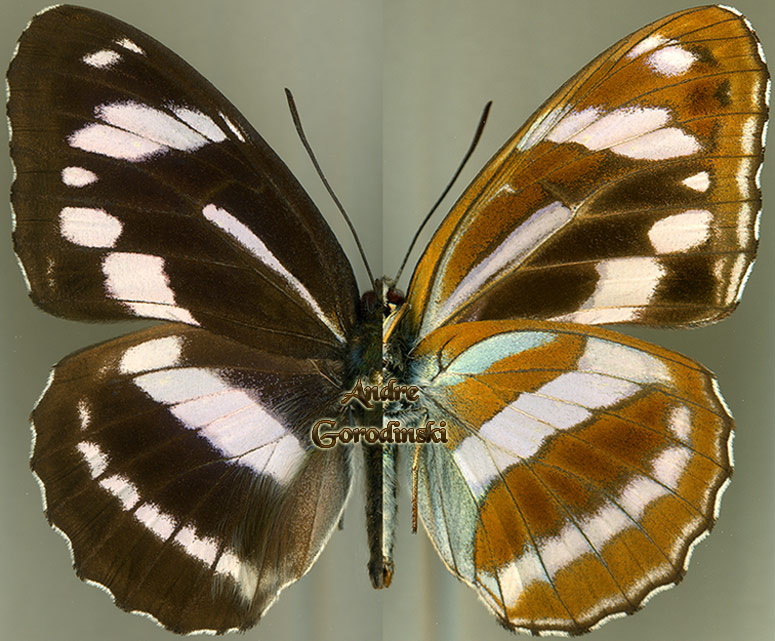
<point>519,244</point>
<point>102,59</point>
<point>253,244</point>
<point>78,177</point>
<point>671,61</point>
<point>481,356</point>
<point>89,227</point>
<point>698,182</point>
<point>159,353</point>
<point>94,457</point>
<point>681,232</point>
<point>141,284</point>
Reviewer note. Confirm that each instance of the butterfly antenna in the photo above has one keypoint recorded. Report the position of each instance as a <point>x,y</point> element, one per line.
<point>472,146</point>
<point>311,154</point>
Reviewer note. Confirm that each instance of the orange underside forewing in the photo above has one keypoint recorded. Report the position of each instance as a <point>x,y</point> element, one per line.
<point>642,166</point>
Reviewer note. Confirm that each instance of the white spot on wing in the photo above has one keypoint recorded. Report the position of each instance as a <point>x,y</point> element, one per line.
<point>140,283</point>
<point>78,177</point>
<point>638,494</point>
<point>698,182</point>
<point>158,522</point>
<point>135,131</point>
<point>245,237</point>
<point>102,59</point>
<point>549,411</point>
<point>743,177</point>
<point>620,126</point>
<point>670,464</point>
<point>234,129</point>
<point>123,489</point>
<point>647,44</point>
<point>679,421</point>
<point>235,424</point>
<point>635,132</point>
<point>113,142</point>
<point>681,232</point>
<point>128,44</point>
<point>203,548</point>
<point>738,276</point>
<point>243,574</point>
<point>151,124</point>
<point>84,414</point>
<point>200,122</point>
<point>571,124</point>
<point>661,144</point>
<point>614,359</point>
<point>94,457</point>
<point>590,390</point>
<point>176,386</point>
<point>748,136</point>
<point>625,284</point>
<point>563,549</point>
<point>155,354</point>
<point>671,61</point>
<point>89,227</point>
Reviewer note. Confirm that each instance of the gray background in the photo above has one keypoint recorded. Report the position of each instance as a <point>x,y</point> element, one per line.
<point>390,93</point>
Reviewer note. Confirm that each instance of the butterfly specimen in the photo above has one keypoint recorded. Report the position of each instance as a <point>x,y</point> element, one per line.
<point>581,465</point>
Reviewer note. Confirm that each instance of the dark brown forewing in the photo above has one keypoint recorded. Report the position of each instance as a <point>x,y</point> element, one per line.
<point>141,191</point>
<point>179,466</point>
<point>581,467</point>
<point>630,196</point>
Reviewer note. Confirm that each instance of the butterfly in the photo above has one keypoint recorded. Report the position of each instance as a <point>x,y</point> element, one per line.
<point>582,464</point>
